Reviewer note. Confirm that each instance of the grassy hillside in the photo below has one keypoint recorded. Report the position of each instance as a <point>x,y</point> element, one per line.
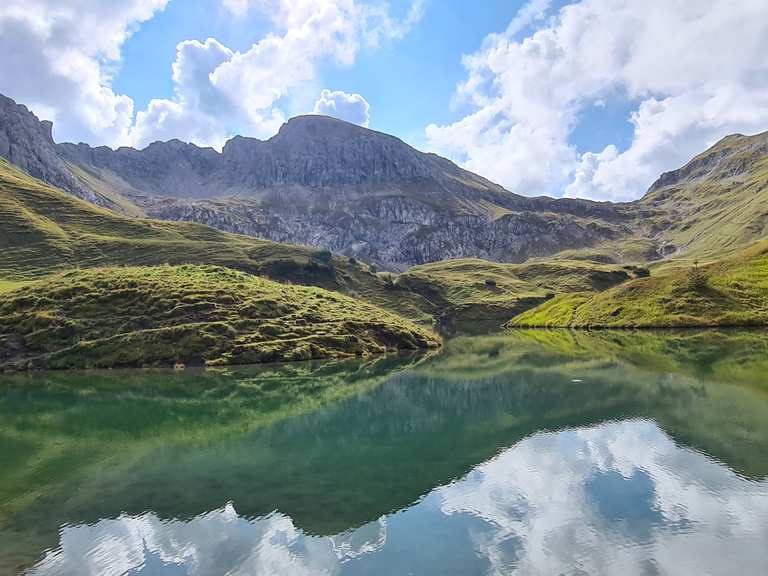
<point>633,250</point>
<point>44,230</point>
<point>476,294</point>
<point>713,206</point>
<point>732,292</point>
<point>190,314</point>
<point>716,204</point>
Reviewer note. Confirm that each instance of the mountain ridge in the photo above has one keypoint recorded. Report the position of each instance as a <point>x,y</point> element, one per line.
<point>322,185</point>
<point>324,182</point>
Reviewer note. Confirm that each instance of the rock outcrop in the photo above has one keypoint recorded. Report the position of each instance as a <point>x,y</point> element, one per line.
<point>322,182</point>
<point>27,142</point>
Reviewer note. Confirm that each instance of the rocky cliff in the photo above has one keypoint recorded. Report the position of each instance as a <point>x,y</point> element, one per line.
<point>319,181</point>
<point>27,142</point>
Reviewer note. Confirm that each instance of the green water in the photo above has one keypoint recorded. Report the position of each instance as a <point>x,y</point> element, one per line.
<point>540,452</point>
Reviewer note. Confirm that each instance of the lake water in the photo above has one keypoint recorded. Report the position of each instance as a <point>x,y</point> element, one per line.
<point>540,452</point>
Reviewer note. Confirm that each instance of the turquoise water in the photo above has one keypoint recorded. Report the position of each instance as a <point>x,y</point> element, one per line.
<point>533,453</point>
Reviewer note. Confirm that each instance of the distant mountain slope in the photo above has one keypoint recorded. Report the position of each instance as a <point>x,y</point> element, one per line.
<point>327,183</point>
<point>27,143</point>
<point>714,205</point>
<point>322,182</point>
<point>44,230</point>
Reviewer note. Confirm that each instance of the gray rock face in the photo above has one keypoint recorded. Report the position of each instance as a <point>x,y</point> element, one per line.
<point>27,142</point>
<point>397,232</point>
<point>323,182</point>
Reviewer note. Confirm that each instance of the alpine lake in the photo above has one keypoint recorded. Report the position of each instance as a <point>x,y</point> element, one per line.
<point>533,452</point>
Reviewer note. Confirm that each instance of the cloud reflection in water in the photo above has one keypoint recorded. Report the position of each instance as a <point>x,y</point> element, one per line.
<point>618,498</point>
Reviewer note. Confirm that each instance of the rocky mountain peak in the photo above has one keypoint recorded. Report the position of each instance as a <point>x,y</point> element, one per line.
<point>28,143</point>
<point>314,128</point>
<point>319,181</point>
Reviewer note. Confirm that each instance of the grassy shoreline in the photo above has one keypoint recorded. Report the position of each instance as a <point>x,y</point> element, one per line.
<point>728,293</point>
<point>191,315</point>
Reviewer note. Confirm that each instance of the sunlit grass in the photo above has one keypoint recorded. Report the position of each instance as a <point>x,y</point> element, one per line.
<point>734,292</point>
<point>136,316</point>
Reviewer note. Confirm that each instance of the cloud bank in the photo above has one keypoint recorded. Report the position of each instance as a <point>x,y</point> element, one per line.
<point>60,59</point>
<point>695,71</point>
<point>56,59</point>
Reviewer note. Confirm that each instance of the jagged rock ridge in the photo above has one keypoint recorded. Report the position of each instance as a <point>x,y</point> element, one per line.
<point>324,182</point>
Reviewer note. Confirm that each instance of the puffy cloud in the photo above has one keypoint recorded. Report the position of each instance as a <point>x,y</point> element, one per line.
<point>339,104</point>
<point>696,69</point>
<point>218,89</point>
<point>198,111</point>
<point>667,133</point>
<point>57,59</point>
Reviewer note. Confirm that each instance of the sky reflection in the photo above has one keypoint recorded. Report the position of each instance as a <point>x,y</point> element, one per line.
<point>619,498</point>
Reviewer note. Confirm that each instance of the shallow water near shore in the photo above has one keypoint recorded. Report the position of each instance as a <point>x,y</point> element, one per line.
<point>535,452</point>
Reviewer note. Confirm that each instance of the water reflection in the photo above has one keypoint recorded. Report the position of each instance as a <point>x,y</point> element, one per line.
<point>619,498</point>
<point>536,453</point>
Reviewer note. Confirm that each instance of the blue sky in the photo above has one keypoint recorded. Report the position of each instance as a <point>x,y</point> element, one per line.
<point>585,98</point>
<point>408,83</point>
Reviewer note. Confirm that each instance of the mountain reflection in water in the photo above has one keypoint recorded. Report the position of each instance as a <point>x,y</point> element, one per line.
<point>531,453</point>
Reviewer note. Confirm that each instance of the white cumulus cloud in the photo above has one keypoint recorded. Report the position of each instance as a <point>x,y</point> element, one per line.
<point>696,69</point>
<point>339,104</point>
<point>58,56</point>
<point>218,89</point>
<point>198,110</point>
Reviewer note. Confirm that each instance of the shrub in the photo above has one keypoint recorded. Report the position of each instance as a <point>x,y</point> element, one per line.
<point>698,278</point>
<point>323,257</point>
<point>642,272</point>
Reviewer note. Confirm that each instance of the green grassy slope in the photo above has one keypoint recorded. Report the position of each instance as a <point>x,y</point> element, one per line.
<point>191,314</point>
<point>716,204</point>
<point>709,209</point>
<point>470,293</point>
<point>44,230</point>
<point>731,292</point>
<point>633,250</point>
